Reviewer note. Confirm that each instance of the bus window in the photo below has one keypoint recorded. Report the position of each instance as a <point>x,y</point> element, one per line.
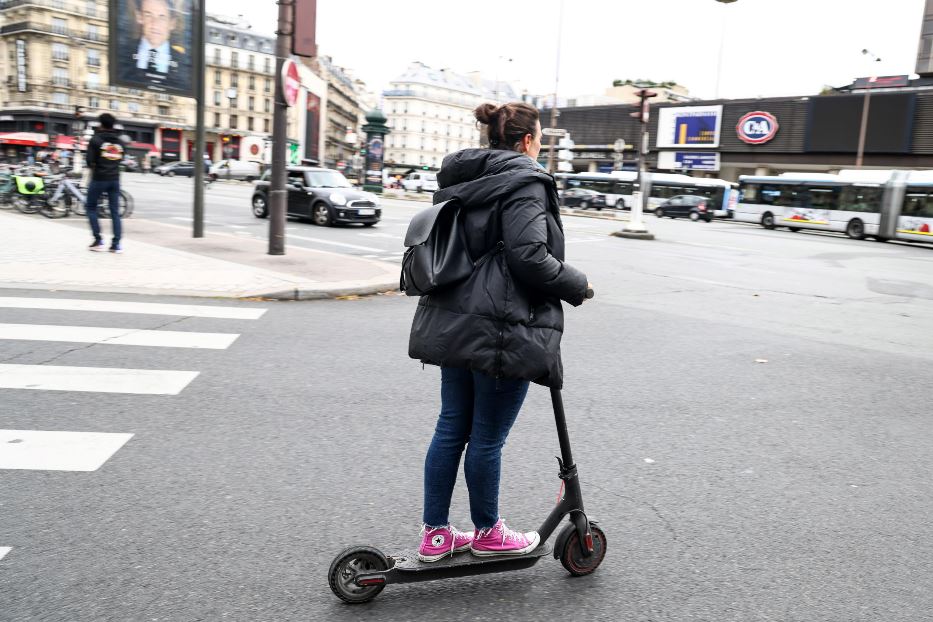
<point>748,193</point>
<point>917,204</point>
<point>790,196</point>
<point>623,187</point>
<point>771,195</point>
<point>824,198</point>
<point>861,199</point>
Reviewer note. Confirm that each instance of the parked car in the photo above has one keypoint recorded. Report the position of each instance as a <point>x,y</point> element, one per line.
<point>235,169</point>
<point>420,182</point>
<point>583,198</point>
<point>688,205</point>
<point>323,195</point>
<point>182,169</point>
<point>129,164</point>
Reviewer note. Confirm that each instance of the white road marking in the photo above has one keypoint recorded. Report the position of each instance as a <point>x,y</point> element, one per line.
<point>580,241</point>
<point>344,244</point>
<point>117,336</point>
<point>120,306</point>
<point>383,235</point>
<point>4,550</point>
<point>95,379</point>
<point>41,450</point>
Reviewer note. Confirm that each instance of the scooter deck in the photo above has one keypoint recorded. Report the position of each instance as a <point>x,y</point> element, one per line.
<point>406,567</point>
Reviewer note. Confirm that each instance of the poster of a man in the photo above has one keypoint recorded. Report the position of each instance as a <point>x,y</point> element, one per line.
<point>153,46</point>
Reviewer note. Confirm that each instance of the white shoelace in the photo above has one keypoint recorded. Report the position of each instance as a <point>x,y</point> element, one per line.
<point>453,534</point>
<point>507,534</point>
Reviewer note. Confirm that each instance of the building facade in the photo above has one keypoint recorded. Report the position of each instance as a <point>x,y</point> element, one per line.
<point>430,112</point>
<point>344,116</point>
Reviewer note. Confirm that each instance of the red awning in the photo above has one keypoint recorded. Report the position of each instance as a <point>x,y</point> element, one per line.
<point>28,139</point>
<point>65,142</point>
<point>144,146</point>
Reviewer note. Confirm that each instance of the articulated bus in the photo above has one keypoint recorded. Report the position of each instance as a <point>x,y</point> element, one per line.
<point>618,187</point>
<point>895,205</point>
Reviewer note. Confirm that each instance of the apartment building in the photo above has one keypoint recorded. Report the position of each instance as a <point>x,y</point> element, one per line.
<point>430,112</point>
<point>344,116</point>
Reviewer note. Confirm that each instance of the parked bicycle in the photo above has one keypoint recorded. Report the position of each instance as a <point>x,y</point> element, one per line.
<point>29,193</point>
<point>103,207</point>
<point>62,195</point>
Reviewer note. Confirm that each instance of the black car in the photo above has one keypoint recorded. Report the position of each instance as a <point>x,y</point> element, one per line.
<point>182,169</point>
<point>686,205</point>
<point>583,198</point>
<point>323,195</point>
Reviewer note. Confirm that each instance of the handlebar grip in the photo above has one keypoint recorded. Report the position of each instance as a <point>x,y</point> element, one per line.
<point>589,293</point>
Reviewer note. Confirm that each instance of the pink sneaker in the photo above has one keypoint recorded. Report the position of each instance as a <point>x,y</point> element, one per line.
<point>500,540</point>
<point>438,543</point>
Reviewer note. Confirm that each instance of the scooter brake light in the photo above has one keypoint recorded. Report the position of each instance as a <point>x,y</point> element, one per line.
<point>589,542</point>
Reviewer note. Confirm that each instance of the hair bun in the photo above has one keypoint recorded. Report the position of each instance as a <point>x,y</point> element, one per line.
<point>486,113</point>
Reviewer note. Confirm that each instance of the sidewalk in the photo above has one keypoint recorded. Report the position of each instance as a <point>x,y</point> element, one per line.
<point>163,259</point>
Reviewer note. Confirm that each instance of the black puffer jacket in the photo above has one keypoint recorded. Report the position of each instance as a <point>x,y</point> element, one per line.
<point>505,320</point>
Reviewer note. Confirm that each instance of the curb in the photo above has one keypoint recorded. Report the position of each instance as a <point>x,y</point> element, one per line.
<point>614,215</point>
<point>299,293</point>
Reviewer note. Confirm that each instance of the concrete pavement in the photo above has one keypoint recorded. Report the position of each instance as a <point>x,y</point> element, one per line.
<point>163,259</point>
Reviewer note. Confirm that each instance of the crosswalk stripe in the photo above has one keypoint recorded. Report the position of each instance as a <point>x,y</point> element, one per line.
<point>117,336</point>
<point>119,306</point>
<point>4,550</point>
<point>41,450</point>
<point>94,379</point>
<point>333,243</point>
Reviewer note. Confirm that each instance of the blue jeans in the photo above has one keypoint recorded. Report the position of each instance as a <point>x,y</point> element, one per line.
<point>477,411</point>
<point>112,190</point>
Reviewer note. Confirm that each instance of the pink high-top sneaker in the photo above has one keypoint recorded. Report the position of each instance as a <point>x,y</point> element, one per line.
<point>500,540</point>
<point>438,543</point>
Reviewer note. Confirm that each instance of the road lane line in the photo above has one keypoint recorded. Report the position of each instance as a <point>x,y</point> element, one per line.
<point>383,235</point>
<point>4,550</point>
<point>344,244</point>
<point>42,450</point>
<point>117,336</point>
<point>120,306</point>
<point>94,379</point>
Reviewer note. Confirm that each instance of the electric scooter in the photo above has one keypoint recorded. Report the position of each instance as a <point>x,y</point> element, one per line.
<point>360,573</point>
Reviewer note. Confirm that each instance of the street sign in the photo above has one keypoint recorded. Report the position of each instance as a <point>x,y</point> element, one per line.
<point>618,146</point>
<point>554,131</point>
<point>291,83</point>
<point>689,160</point>
<point>565,143</point>
<point>305,20</point>
<point>565,154</point>
<point>565,167</point>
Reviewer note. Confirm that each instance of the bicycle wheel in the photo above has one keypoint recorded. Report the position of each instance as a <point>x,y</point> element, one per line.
<point>54,209</point>
<point>77,205</point>
<point>126,204</point>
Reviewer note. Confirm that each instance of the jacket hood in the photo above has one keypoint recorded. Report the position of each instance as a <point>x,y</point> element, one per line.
<point>111,135</point>
<point>479,176</point>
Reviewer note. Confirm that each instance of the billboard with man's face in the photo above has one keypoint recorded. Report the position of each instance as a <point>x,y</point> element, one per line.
<point>152,44</point>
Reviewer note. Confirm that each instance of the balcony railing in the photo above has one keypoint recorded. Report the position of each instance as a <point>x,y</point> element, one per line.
<point>53,29</point>
<point>54,5</point>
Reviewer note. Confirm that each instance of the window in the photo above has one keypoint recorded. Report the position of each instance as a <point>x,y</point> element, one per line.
<point>133,107</point>
<point>268,106</point>
<point>59,51</point>
<point>90,8</point>
<point>265,125</point>
<point>216,98</point>
<point>216,119</point>
<point>163,110</point>
<point>249,123</point>
<point>233,102</point>
<point>93,102</point>
<point>268,65</point>
<point>235,60</point>
<point>252,104</point>
<point>824,198</point>
<point>233,122</point>
<point>252,82</point>
<point>93,80</point>
<point>217,78</point>
<point>60,98</point>
<point>251,64</point>
<point>234,80</point>
<point>268,87</point>
<point>60,76</point>
<point>215,36</point>
<point>216,56</point>
<point>59,26</point>
<point>114,104</point>
<point>861,199</point>
<point>93,33</point>
<point>93,58</point>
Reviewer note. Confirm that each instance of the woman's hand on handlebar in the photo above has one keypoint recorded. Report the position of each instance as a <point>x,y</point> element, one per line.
<point>589,291</point>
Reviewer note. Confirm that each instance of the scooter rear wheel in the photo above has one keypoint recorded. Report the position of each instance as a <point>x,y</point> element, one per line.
<point>351,562</point>
<point>572,557</point>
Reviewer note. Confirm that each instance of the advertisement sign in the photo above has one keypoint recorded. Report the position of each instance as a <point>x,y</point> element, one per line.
<point>374,160</point>
<point>291,83</point>
<point>877,82</point>
<point>689,126</point>
<point>689,160</point>
<point>757,127</point>
<point>21,84</point>
<point>303,39</point>
<point>152,45</point>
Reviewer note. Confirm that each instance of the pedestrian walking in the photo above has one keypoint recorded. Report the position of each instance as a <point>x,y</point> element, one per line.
<point>496,331</point>
<point>146,165</point>
<point>104,153</point>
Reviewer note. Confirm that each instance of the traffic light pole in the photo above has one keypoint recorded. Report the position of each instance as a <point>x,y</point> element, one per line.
<point>277,193</point>
<point>199,147</point>
<point>636,229</point>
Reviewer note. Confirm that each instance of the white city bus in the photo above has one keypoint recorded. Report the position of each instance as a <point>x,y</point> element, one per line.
<point>856,203</point>
<point>618,187</point>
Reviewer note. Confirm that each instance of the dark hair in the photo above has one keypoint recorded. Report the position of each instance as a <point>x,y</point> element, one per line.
<point>508,124</point>
<point>107,121</point>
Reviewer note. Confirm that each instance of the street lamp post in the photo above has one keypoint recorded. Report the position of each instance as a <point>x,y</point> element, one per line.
<point>722,44</point>
<point>554,113</point>
<point>863,130</point>
<point>636,228</point>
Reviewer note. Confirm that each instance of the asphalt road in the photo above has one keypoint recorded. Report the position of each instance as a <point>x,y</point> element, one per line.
<point>748,410</point>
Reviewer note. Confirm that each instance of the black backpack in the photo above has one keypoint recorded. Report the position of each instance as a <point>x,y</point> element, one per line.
<point>437,255</point>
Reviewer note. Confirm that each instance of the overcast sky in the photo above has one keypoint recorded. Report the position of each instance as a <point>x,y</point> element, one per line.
<point>772,47</point>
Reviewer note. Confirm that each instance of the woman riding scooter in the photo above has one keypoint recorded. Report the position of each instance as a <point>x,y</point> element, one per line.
<point>492,338</point>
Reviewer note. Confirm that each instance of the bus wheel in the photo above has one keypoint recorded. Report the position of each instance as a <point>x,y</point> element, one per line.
<point>793,229</point>
<point>620,204</point>
<point>767,220</point>
<point>855,229</point>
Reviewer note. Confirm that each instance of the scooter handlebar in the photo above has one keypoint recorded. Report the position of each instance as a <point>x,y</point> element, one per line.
<point>589,293</point>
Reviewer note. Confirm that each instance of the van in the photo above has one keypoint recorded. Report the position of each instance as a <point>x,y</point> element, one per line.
<point>420,182</point>
<point>235,169</point>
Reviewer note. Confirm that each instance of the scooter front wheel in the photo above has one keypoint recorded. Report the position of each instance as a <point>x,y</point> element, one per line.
<point>572,557</point>
<point>347,565</point>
